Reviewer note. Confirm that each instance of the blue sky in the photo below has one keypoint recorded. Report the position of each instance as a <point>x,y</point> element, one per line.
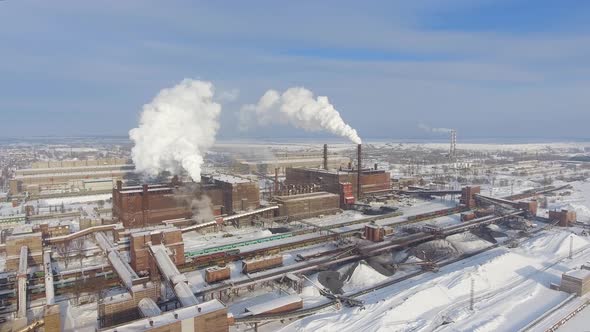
<point>490,68</point>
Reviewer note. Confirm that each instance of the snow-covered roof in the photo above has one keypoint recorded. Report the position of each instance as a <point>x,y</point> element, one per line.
<point>260,259</point>
<point>98,180</point>
<point>273,304</point>
<point>228,178</point>
<point>80,174</point>
<point>150,189</point>
<point>169,317</point>
<point>185,295</point>
<point>578,274</point>
<point>149,308</point>
<point>61,169</point>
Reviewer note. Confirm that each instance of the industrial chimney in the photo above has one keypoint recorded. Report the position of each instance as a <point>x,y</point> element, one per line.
<point>326,156</point>
<point>453,150</point>
<point>359,168</point>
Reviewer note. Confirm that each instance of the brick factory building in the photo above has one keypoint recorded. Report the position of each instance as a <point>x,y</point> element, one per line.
<point>14,243</point>
<point>373,181</point>
<point>120,308</point>
<point>308,205</point>
<point>468,196</point>
<point>290,159</point>
<point>565,217</point>
<point>576,281</point>
<point>238,194</point>
<point>141,206</point>
<point>171,238</point>
<point>69,175</point>
<point>209,316</point>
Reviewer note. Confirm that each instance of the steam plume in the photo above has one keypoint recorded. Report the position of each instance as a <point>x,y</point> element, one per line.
<point>298,107</point>
<point>176,129</point>
<point>433,130</point>
<point>191,195</point>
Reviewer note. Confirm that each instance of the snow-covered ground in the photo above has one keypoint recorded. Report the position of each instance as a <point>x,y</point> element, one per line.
<point>511,285</point>
<point>579,323</point>
<point>511,289</point>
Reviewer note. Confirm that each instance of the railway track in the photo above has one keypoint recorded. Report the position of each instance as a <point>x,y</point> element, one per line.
<point>233,251</point>
<point>364,252</point>
<point>309,311</point>
<point>318,308</point>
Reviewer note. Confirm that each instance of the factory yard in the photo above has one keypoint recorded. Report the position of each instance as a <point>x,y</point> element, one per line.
<point>393,247</point>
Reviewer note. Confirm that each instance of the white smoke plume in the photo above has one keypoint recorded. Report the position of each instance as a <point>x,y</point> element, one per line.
<point>191,195</point>
<point>176,129</point>
<point>433,130</point>
<point>202,211</point>
<point>298,107</point>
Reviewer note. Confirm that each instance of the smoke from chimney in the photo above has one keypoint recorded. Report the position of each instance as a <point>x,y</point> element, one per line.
<point>176,129</point>
<point>297,107</point>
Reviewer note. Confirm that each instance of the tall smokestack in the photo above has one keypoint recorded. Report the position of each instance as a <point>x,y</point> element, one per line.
<point>326,156</point>
<point>453,150</point>
<point>359,169</point>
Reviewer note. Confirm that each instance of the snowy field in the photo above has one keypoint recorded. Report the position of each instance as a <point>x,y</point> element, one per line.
<point>511,289</point>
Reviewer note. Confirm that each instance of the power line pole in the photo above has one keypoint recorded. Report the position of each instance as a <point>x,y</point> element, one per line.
<point>472,294</point>
<point>571,247</point>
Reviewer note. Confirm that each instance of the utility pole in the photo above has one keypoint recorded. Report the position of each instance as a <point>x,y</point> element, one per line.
<point>453,149</point>
<point>571,247</point>
<point>472,294</point>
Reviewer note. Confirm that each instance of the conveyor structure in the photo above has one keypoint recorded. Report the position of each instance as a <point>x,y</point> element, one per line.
<point>121,266</point>
<point>22,283</point>
<point>49,290</point>
<point>171,274</point>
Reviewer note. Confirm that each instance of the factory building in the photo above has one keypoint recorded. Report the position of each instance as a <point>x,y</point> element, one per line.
<point>14,244</point>
<point>120,308</point>
<point>576,281</point>
<point>288,160</point>
<point>70,176</point>
<point>171,238</point>
<point>141,206</point>
<point>209,316</point>
<point>308,205</point>
<point>372,181</point>
<point>238,194</point>
<point>564,217</point>
<point>468,196</point>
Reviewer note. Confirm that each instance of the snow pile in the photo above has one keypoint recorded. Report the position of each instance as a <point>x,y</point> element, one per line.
<point>511,286</point>
<point>582,211</point>
<point>176,129</point>
<point>298,107</point>
<point>411,308</point>
<point>363,276</point>
<point>435,250</point>
<point>467,242</point>
<point>309,289</point>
